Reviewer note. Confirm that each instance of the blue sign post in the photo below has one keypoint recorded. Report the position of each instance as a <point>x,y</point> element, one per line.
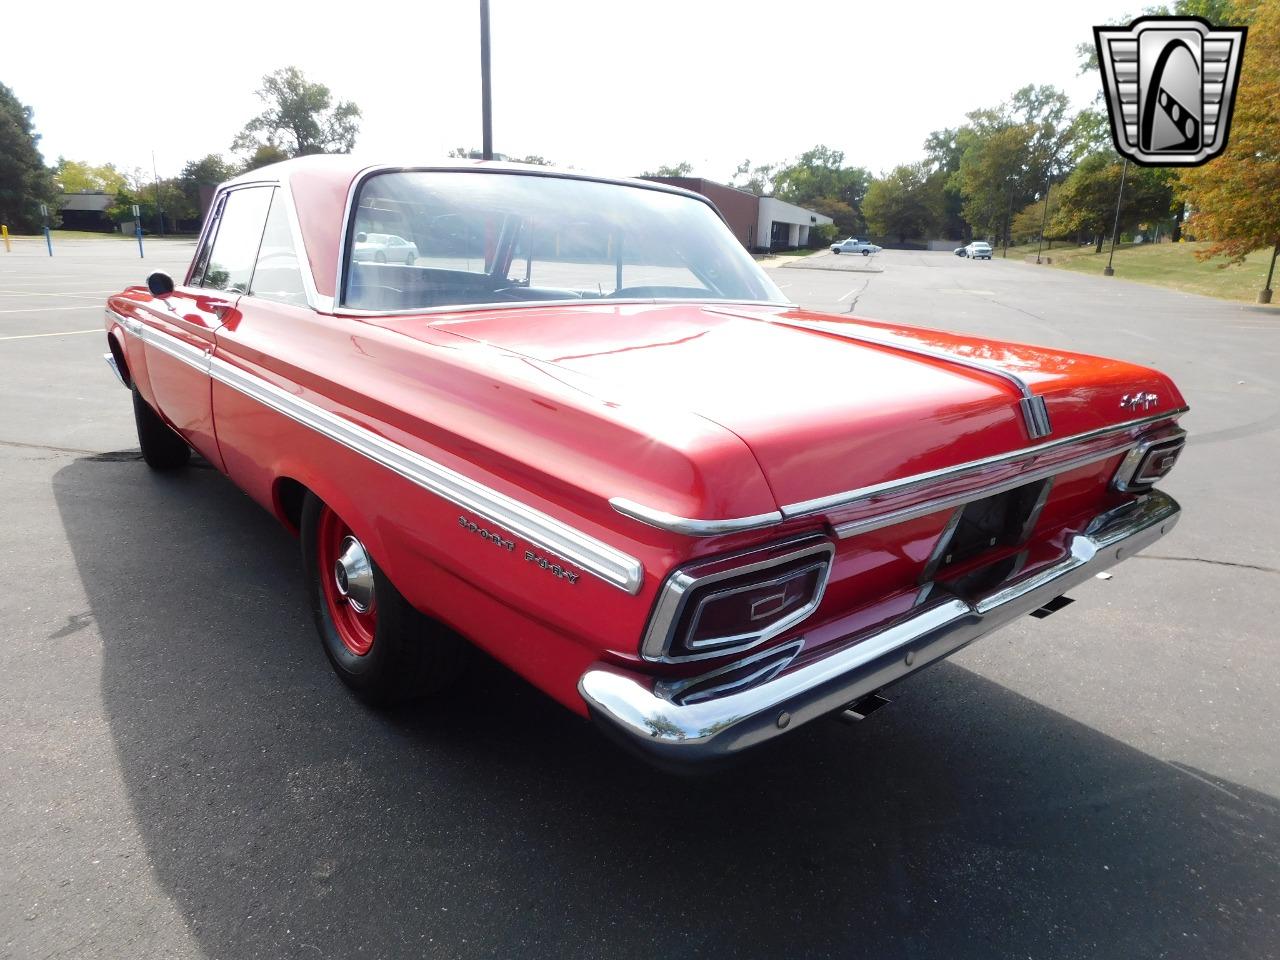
<point>137,230</point>
<point>44,215</point>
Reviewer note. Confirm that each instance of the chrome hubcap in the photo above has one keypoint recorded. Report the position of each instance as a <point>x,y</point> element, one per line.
<point>353,573</point>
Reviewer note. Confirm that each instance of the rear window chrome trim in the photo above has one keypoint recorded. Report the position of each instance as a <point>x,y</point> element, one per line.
<point>526,304</point>
<point>361,178</point>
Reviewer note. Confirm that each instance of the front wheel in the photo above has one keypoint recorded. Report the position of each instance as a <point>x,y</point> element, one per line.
<point>162,449</point>
<point>866,252</point>
<point>379,645</point>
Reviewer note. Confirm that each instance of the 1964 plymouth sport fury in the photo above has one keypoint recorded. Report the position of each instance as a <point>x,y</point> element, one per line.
<point>582,430</point>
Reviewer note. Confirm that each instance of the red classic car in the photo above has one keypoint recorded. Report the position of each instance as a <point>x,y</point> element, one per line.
<point>577,426</point>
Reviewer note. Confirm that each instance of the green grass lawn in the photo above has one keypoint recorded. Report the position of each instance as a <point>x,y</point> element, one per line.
<point>1167,265</point>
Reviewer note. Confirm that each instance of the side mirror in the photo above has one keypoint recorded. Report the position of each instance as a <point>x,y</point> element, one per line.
<point>160,284</point>
<point>361,237</point>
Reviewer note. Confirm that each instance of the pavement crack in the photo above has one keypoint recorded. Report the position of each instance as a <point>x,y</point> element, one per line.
<point>43,446</point>
<point>1216,563</point>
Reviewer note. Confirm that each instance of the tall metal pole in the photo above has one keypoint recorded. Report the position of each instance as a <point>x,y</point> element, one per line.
<point>1044,220</point>
<point>486,106</point>
<point>1115,227</point>
<point>159,208</point>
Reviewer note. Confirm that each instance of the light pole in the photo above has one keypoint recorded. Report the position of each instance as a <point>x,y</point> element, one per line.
<point>159,209</point>
<point>1115,227</point>
<point>486,108</point>
<point>1044,220</point>
<point>1264,295</point>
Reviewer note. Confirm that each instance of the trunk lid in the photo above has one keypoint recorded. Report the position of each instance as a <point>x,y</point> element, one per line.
<point>822,413</point>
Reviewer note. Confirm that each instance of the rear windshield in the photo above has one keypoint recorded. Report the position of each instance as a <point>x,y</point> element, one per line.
<point>421,240</point>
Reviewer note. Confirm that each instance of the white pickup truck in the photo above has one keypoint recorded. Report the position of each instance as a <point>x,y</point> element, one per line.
<point>854,245</point>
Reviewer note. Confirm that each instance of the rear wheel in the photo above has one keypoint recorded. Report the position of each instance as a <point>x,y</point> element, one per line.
<point>380,257</point>
<point>379,645</point>
<point>162,449</point>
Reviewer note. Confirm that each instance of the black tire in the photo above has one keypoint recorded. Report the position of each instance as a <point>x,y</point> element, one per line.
<point>380,257</point>
<point>410,260</point>
<point>162,449</point>
<point>866,252</point>
<point>836,252</point>
<point>411,656</point>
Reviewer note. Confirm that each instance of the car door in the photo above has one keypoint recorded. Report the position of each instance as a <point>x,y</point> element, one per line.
<point>182,325</point>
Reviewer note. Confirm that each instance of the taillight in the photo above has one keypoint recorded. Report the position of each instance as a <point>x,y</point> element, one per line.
<point>735,603</point>
<point>1150,460</point>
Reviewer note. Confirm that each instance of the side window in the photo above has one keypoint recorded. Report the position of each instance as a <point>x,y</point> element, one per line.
<point>202,255</point>
<point>235,247</point>
<point>279,274</point>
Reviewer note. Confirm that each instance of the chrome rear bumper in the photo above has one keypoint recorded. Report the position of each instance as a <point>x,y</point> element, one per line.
<point>692,734</point>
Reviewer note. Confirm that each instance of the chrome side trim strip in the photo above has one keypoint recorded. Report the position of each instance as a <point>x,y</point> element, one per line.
<point>692,528</point>
<point>593,556</point>
<point>850,497</point>
<point>540,529</point>
<point>191,356</point>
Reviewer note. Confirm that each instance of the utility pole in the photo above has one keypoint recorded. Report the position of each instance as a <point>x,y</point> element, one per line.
<point>1044,220</point>
<point>1264,295</point>
<point>1115,227</point>
<point>159,209</point>
<point>486,105</point>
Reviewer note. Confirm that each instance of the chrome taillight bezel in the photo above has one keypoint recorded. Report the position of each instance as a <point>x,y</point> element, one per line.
<point>1133,474</point>
<point>689,585</point>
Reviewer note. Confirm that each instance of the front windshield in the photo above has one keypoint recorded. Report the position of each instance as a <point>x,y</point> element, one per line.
<point>484,237</point>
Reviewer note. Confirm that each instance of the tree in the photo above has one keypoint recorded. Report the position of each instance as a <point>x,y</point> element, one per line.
<point>1087,201</point>
<point>300,118</point>
<point>905,203</point>
<point>682,169</point>
<point>266,153</point>
<point>1027,221</point>
<point>1236,198</point>
<point>754,179</point>
<point>208,171</point>
<point>472,153</point>
<point>24,180</point>
<point>73,176</point>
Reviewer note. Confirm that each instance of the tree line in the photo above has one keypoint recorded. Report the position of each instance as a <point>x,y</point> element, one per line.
<point>299,118</point>
<point>1029,168</point>
<point>1012,172</point>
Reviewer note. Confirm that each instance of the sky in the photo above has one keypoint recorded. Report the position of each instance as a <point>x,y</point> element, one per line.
<point>611,87</point>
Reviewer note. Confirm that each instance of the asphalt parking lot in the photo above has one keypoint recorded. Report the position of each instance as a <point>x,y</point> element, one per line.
<point>183,776</point>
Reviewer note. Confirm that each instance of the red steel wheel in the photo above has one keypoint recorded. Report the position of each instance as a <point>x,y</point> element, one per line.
<point>379,645</point>
<point>347,579</point>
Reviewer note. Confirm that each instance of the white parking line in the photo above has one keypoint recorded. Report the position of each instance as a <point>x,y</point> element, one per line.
<point>82,294</point>
<point>76,306</point>
<point>61,333</point>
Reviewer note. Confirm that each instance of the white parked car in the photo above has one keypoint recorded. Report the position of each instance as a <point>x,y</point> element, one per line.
<point>854,245</point>
<point>978,250</point>
<point>384,247</point>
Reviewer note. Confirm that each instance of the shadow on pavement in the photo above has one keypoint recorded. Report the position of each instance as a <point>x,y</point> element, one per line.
<point>285,820</point>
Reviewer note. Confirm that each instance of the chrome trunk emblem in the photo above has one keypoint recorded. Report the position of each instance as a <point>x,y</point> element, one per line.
<point>1139,401</point>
